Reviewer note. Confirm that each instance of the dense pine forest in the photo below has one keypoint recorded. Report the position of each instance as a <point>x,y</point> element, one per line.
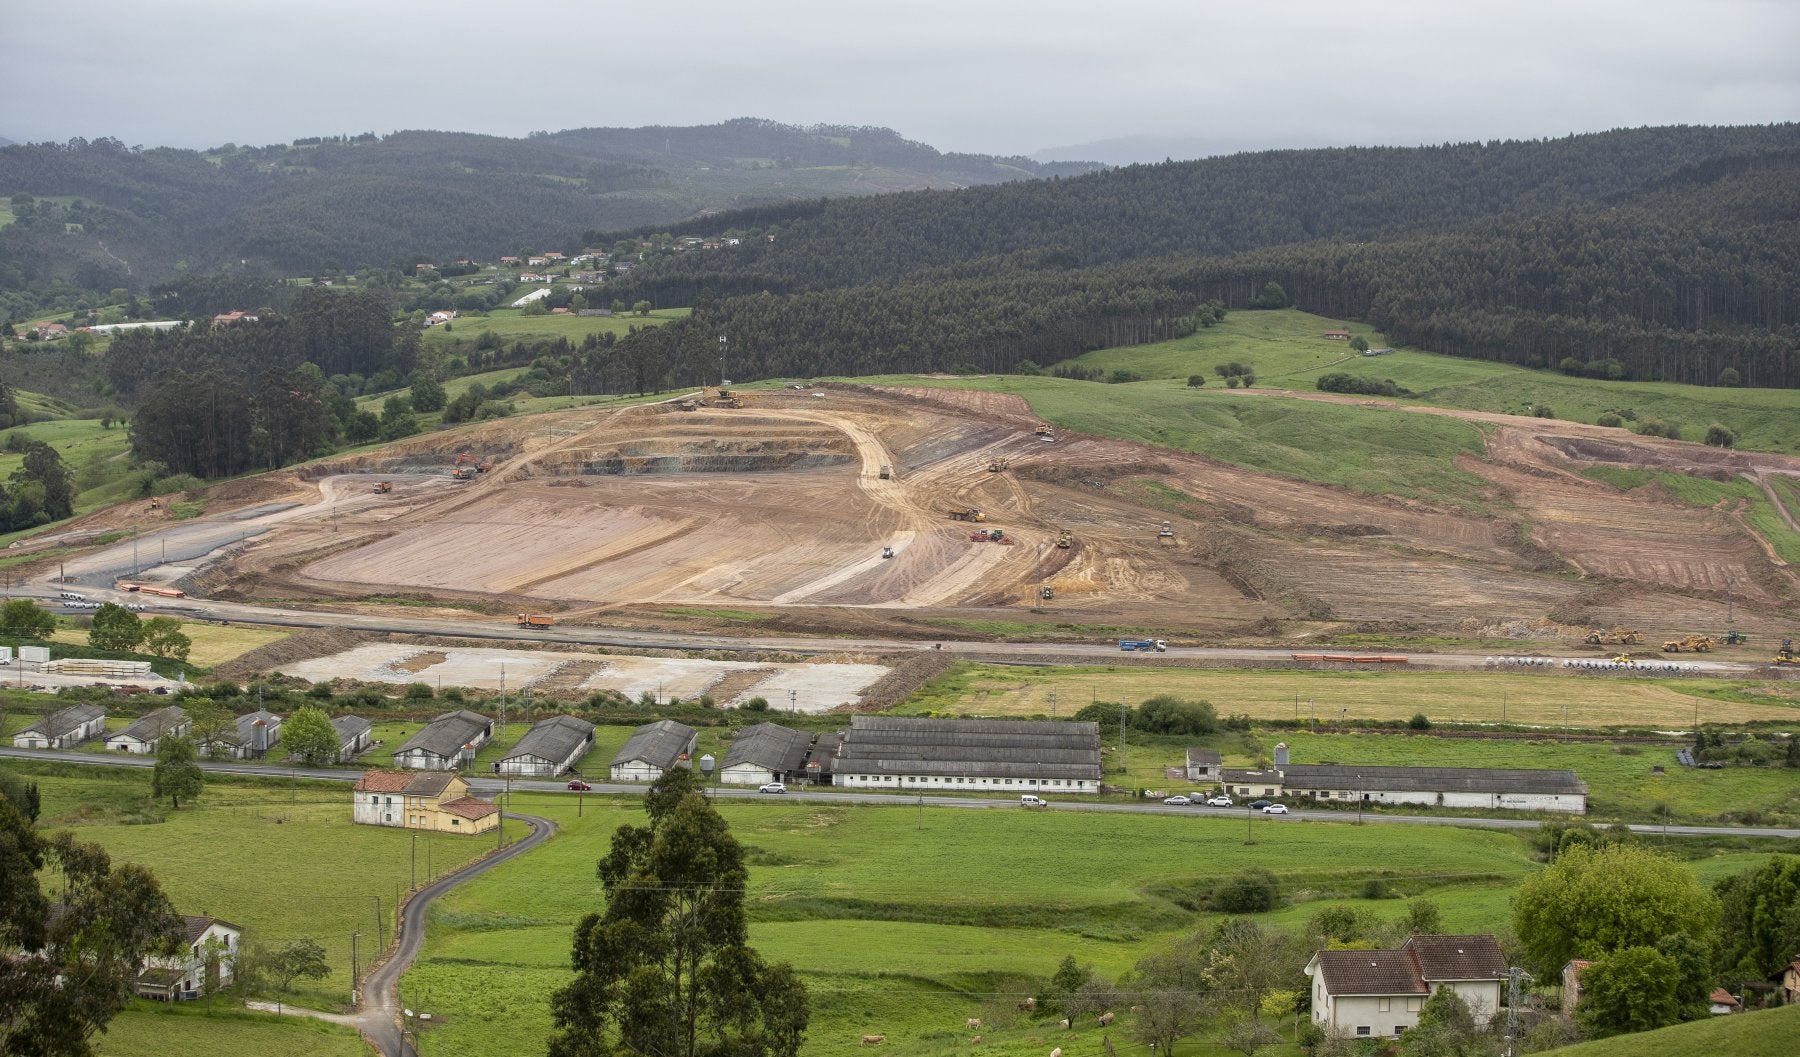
<point>1671,252</point>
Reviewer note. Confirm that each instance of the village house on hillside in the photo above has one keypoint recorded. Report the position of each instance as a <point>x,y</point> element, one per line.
<point>63,729</point>
<point>435,801</point>
<point>549,748</point>
<point>766,752</point>
<point>1203,765</point>
<point>184,976</point>
<point>1371,994</point>
<point>353,736</point>
<point>654,748</point>
<point>1037,756</point>
<point>251,737</point>
<point>448,742</point>
<point>141,738</point>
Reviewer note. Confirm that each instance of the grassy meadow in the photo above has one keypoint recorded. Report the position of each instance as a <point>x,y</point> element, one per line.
<point>904,922</point>
<point>512,324</point>
<point>187,1029</point>
<point>1761,1033</point>
<point>213,644</point>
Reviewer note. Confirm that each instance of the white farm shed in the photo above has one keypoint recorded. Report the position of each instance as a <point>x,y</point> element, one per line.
<point>654,748</point>
<point>141,737</point>
<point>767,752</point>
<point>549,748</point>
<point>990,755</point>
<point>63,729</point>
<point>447,742</point>
<point>1485,788</point>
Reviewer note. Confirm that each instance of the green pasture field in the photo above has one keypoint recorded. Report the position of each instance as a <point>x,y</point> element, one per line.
<point>1456,697</point>
<point>81,442</point>
<point>283,861</point>
<point>213,644</point>
<point>511,324</point>
<point>905,922</point>
<point>1379,451</point>
<point>187,1029</point>
<point>1761,1033</point>
<point>1287,350</point>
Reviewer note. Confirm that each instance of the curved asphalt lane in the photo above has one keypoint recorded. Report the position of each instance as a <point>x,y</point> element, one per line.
<point>380,1016</point>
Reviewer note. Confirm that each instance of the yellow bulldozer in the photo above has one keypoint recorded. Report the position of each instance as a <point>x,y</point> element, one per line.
<point>1616,637</point>
<point>1690,644</point>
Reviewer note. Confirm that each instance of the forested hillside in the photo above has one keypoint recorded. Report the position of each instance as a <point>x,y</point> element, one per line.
<point>1670,252</point>
<point>101,215</point>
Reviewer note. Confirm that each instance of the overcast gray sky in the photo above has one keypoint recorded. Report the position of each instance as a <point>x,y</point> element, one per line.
<point>992,76</point>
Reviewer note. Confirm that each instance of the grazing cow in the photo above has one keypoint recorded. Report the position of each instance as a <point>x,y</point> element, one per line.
<point>1056,1052</point>
<point>1028,1005</point>
<point>873,1040</point>
<point>1106,1018</point>
<point>974,1023</point>
<point>976,1041</point>
<point>1063,1023</point>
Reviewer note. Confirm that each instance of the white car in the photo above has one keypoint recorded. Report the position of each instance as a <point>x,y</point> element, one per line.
<point>1275,809</point>
<point>773,787</point>
<point>1177,800</point>
<point>1219,801</point>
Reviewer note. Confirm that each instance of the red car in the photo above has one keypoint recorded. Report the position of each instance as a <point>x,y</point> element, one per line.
<point>579,786</point>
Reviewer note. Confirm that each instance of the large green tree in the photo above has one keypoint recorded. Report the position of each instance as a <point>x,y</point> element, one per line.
<point>309,736</point>
<point>115,628</point>
<point>1593,901</point>
<point>1759,926</point>
<point>1631,989</point>
<point>66,977</point>
<point>25,619</point>
<point>665,969</point>
<point>177,774</point>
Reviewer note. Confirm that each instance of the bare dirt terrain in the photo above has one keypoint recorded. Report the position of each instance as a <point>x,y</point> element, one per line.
<point>775,516</point>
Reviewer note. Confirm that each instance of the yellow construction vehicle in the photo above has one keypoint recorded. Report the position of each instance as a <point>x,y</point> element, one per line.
<point>1623,658</point>
<point>1045,434</point>
<point>967,514</point>
<point>1065,539</point>
<point>1786,657</point>
<point>1616,637</point>
<point>1690,644</point>
<point>998,465</point>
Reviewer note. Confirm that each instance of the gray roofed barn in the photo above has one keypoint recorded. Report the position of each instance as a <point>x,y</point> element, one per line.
<point>901,752</point>
<point>766,752</point>
<point>447,742</point>
<point>1435,779</point>
<point>143,736</point>
<point>1203,765</point>
<point>252,735</point>
<point>63,728</point>
<point>549,748</point>
<point>652,749</point>
<point>353,736</point>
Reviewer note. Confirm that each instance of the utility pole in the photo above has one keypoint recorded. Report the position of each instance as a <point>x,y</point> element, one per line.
<point>722,345</point>
<point>1052,704</point>
<point>380,931</point>
<point>1513,977</point>
<point>415,860</point>
<point>354,936</point>
<point>792,696</point>
<point>1124,765</point>
<point>1730,618</point>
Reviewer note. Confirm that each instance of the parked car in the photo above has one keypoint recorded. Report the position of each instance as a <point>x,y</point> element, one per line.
<point>1275,809</point>
<point>1029,800</point>
<point>1260,804</point>
<point>773,787</point>
<point>1220,801</point>
<point>1178,800</point>
<point>579,786</point>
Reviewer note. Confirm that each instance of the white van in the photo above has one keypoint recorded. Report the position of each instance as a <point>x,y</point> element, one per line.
<point>1029,800</point>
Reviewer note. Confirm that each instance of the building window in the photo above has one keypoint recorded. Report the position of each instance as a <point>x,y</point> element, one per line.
<point>1386,1004</point>
<point>1413,1005</point>
<point>1362,1031</point>
<point>1398,1028</point>
<point>456,822</point>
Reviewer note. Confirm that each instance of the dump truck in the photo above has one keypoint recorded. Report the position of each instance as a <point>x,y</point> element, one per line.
<point>535,620</point>
<point>484,466</point>
<point>1045,434</point>
<point>887,471</point>
<point>383,488</point>
<point>1065,539</point>
<point>462,473</point>
<point>1616,637</point>
<point>1689,644</point>
<point>998,465</point>
<point>967,514</point>
<point>1143,645</point>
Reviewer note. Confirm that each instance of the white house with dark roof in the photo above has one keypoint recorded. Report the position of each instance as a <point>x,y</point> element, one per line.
<point>549,748</point>
<point>654,748</point>
<point>1378,994</point>
<point>448,742</point>
<point>766,752</point>
<point>992,755</point>
<point>141,738</point>
<point>354,734</point>
<point>63,729</point>
<point>183,976</point>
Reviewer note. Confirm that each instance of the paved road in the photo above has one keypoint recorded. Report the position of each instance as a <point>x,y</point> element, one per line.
<point>491,786</point>
<point>380,1017</point>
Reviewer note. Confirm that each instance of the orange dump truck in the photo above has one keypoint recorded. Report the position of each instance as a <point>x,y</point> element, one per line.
<point>533,620</point>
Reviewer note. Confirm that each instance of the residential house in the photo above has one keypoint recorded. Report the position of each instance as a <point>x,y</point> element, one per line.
<point>448,742</point>
<point>766,753</point>
<point>533,277</point>
<point>226,319</point>
<point>438,802</point>
<point>1338,335</point>
<point>549,748</point>
<point>535,262</point>
<point>185,975</point>
<point>1203,765</point>
<point>251,737</point>
<point>654,748</point>
<point>441,316</point>
<point>353,736</point>
<point>63,729</point>
<point>553,255</point>
<point>509,262</point>
<point>1723,1003</point>
<point>1571,985</point>
<point>907,754</point>
<point>1790,983</point>
<point>141,738</point>
<point>1369,994</point>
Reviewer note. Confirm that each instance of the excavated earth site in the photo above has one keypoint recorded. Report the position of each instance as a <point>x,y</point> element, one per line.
<point>782,508</point>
